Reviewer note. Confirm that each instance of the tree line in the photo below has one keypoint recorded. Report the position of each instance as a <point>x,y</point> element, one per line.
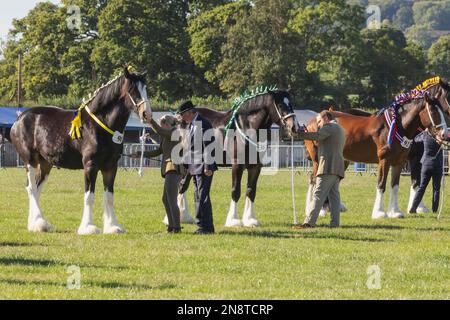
<point>214,50</point>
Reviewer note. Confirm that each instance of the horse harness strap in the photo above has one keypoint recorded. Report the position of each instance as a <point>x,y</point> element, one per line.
<point>260,147</point>
<point>75,132</point>
<point>393,130</point>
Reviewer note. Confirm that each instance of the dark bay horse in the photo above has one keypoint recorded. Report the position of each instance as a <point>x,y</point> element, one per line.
<point>258,113</point>
<point>41,137</point>
<point>367,142</point>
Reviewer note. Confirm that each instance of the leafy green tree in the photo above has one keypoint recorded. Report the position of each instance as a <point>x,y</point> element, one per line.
<point>150,35</point>
<point>262,49</point>
<point>330,32</point>
<point>439,57</point>
<point>208,32</point>
<point>392,65</point>
<point>42,38</point>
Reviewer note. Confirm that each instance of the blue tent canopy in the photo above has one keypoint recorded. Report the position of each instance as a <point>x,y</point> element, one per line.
<point>8,116</point>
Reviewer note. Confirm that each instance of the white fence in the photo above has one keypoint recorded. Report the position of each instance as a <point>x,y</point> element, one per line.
<point>10,158</point>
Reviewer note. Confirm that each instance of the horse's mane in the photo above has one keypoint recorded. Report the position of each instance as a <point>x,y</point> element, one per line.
<point>106,93</point>
<point>255,104</point>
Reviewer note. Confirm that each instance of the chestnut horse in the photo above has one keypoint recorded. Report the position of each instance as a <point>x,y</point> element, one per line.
<point>41,138</point>
<point>258,113</point>
<point>367,142</point>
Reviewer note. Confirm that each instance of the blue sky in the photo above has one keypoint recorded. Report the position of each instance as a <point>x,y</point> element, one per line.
<point>15,9</point>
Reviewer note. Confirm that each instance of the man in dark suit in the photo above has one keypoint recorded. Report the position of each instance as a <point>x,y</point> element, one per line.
<point>200,164</point>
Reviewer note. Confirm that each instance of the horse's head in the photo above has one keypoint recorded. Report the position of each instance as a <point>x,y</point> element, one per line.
<point>432,118</point>
<point>442,94</point>
<point>283,113</point>
<point>135,93</point>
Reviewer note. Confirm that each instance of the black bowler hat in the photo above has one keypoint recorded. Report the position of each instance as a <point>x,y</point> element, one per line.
<point>186,107</point>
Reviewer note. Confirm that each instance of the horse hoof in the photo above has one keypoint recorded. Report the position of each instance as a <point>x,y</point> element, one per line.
<point>88,230</point>
<point>187,219</point>
<point>252,223</point>
<point>323,213</point>
<point>343,208</point>
<point>233,223</point>
<point>166,221</point>
<point>396,215</point>
<point>41,226</point>
<point>379,215</point>
<point>114,230</point>
<point>423,210</point>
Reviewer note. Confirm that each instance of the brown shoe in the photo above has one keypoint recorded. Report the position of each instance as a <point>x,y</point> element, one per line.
<point>302,227</point>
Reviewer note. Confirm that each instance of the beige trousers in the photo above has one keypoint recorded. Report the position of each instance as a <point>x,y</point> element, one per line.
<point>327,186</point>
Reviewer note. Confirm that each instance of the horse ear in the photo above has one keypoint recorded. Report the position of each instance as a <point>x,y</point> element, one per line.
<point>428,99</point>
<point>126,72</point>
<point>445,85</point>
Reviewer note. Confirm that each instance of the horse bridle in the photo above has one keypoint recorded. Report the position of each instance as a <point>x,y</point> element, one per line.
<point>443,123</point>
<point>137,105</point>
<point>283,119</point>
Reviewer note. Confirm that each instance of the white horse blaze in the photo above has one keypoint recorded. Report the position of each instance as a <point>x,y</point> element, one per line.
<point>36,221</point>
<point>233,217</point>
<point>378,209</point>
<point>110,224</point>
<point>249,217</point>
<point>143,92</point>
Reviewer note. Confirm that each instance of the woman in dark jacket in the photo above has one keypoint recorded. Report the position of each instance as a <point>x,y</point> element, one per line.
<point>169,171</point>
<point>432,168</point>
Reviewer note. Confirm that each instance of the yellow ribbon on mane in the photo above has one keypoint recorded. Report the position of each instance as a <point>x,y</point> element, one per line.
<point>428,83</point>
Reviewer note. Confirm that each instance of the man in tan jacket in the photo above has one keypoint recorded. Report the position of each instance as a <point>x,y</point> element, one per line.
<point>331,169</point>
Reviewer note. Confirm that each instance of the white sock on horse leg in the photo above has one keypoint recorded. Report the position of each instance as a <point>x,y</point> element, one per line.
<point>309,198</point>
<point>87,226</point>
<point>110,224</point>
<point>185,215</point>
<point>233,217</point>
<point>378,208</point>
<point>394,210</point>
<point>36,221</point>
<point>249,217</point>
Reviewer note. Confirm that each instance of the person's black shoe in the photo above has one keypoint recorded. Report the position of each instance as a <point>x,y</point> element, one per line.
<point>170,230</point>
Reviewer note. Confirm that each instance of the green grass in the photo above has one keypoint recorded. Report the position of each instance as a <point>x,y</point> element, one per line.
<point>272,262</point>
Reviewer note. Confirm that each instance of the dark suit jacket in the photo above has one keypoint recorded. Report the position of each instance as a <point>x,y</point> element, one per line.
<point>201,159</point>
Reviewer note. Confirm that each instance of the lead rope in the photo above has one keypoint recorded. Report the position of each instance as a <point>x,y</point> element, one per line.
<point>141,165</point>
<point>441,207</point>
<point>293,182</point>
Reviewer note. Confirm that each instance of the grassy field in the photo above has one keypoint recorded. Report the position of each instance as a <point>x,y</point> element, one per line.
<point>272,262</point>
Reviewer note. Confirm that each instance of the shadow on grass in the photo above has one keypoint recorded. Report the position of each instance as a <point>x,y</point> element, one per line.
<point>18,244</point>
<point>28,262</point>
<point>89,284</point>
<point>307,234</point>
<point>373,227</point>
<point>51,263</point>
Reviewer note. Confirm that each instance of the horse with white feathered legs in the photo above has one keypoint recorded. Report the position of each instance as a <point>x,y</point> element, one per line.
<point>250,114</point>
<point>386,138</point>
<point>92,139</point>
